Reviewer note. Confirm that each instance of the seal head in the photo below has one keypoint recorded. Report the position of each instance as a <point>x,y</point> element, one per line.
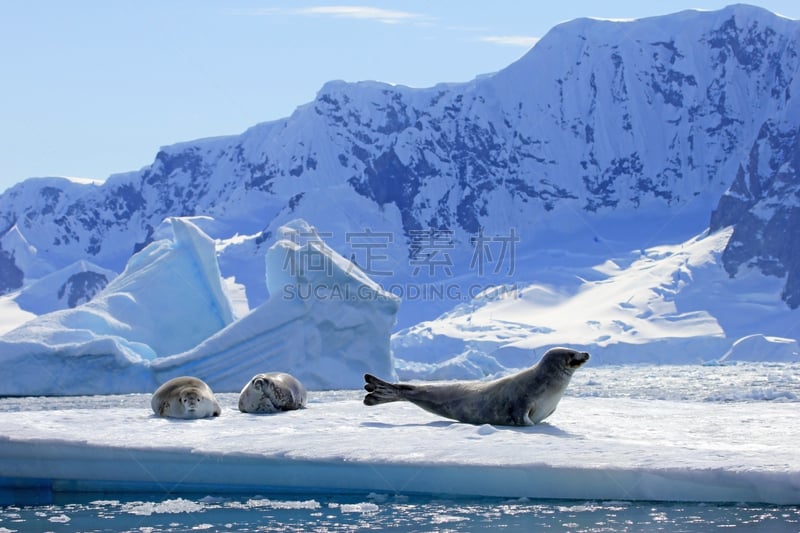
<point>185,397</point>
<point>272,392</point>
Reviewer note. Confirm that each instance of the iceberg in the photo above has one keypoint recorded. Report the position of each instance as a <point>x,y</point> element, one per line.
<point>326,323</point>
<point>169,298</point>
<point>170,313</point>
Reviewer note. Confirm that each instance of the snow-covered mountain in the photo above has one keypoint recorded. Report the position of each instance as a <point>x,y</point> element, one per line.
<point>65,289</point>
<point>625,135</point>
<point>666,304</point>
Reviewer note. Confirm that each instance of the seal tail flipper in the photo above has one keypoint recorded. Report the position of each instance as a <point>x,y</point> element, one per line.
<point>382,391</point>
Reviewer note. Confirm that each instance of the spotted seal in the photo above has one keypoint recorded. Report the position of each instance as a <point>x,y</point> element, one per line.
<point>522,399</point>
<point>272,392</point>
<point>185,397</point>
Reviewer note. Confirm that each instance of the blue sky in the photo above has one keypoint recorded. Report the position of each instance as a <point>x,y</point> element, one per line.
<point>91,88</point>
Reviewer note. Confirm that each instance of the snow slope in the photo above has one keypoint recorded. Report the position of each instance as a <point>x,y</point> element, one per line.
<point>666,304</point>
<point>591,448</point>
<point>64,289</point>
<point>11,316</point>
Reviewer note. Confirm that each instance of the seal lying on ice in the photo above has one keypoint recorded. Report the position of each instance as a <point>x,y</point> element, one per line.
<point>272,392</point>
<point>185,397</point>
<point>522,399</point>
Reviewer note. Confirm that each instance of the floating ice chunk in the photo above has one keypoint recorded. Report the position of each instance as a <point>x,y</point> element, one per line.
<point>760,347</point>
<point>173,506</point>
<point>366,507</point>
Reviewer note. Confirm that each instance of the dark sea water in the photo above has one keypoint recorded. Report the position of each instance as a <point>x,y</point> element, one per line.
<point>378,512</point>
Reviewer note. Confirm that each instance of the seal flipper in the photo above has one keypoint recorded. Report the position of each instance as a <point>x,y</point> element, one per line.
<point>382,391</point>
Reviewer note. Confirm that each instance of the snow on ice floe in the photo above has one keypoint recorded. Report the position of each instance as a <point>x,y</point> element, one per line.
<point>170,313</point>
<point>667,304</point>
<point>591,448</point>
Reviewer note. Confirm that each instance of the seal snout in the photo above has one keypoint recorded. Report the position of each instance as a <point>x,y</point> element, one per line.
<point>191,401</point>
<point>578,359</point>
